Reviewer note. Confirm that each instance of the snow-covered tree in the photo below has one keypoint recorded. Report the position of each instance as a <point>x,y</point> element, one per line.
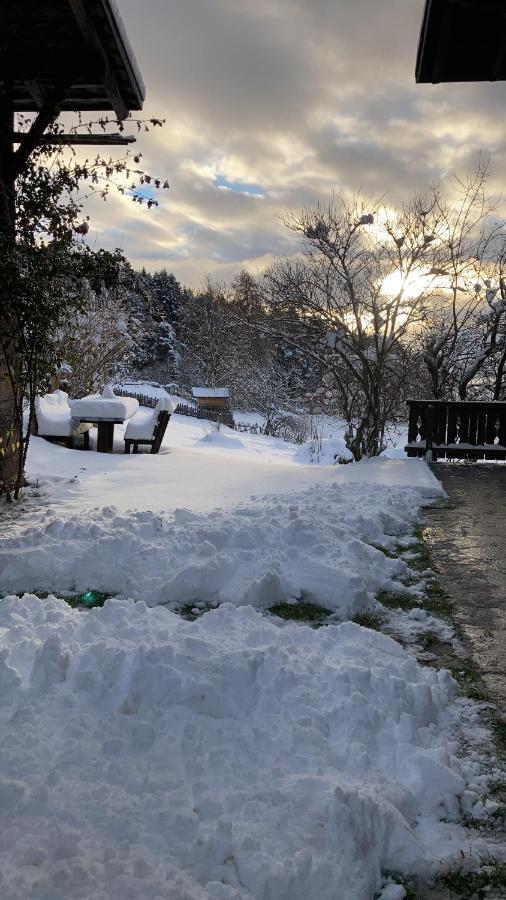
<point>97,342</point>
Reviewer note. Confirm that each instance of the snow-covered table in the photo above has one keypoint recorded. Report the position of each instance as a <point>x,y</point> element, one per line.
<point>105,410</point>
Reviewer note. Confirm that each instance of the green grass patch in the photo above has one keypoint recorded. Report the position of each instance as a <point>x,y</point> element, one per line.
<point>410,581</point>
<point>467,674</point>
<point>437,601</point>
<point>477,885</point>
<point>497,724</point>
<point>396,600</point>
<point>421,560</point>
<point>301,611</point>
<point>390,553</point>
<point>369,620</point>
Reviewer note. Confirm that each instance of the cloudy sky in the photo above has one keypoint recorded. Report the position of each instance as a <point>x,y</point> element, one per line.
<point>275,104</point>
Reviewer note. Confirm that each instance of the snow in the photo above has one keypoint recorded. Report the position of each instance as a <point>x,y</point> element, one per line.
<point>53,414</point>
<point>148,389</point>
<point>210,392</point>
<point>316,544</point>
<point>226,759</point>
<point>235,757</point>
<point>200,467</point>
<point>143,423</point>
<point>104,406</point>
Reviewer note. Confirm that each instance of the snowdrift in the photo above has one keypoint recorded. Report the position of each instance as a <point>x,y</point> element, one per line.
<point>316,544</point>
<point>227,759</point>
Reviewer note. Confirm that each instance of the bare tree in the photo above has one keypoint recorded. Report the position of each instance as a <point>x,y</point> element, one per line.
<point>359,288</point>
<point>463,327</point>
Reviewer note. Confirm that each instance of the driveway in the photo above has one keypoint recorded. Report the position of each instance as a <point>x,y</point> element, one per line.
<point>467,539</point>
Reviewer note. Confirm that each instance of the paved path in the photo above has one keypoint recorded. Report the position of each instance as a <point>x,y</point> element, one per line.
<point>468,546</point>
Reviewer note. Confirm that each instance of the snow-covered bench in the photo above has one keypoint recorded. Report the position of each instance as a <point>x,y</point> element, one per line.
<point>148,426</point>
<point>54,420</point>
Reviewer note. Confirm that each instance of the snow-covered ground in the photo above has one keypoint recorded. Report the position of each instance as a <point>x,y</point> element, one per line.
<point>226,759</point>
<point>198,466</point>
<point>319,544</point>
<point>234,757</point>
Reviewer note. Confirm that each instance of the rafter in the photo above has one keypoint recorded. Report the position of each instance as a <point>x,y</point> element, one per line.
<point>56,140</point>
<point>45,117</point>
<point>92,38</point>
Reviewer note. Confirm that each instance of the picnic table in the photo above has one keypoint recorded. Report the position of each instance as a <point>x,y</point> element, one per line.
<point>105,411</point>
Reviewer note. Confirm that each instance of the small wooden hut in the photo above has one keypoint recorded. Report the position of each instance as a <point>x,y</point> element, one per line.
<point>215,401</point>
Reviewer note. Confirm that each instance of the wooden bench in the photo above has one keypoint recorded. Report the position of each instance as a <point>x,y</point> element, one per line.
<point>456,429</point>
<point>147,429</point>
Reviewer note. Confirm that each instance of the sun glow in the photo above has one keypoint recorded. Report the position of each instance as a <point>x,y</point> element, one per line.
<point>411,286</point>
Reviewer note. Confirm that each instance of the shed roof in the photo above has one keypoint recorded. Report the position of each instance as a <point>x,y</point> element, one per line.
<point>202,392</point>
<point>79,43</point>
<point>462,40</point>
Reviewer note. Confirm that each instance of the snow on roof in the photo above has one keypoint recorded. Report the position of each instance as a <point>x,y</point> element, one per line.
<point>210,392</point>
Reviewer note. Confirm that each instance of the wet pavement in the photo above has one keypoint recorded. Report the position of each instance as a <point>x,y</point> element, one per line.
<point>467,540</point>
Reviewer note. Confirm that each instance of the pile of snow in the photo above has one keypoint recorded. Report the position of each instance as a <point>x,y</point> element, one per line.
<point>227,759</point>
<point>53,414</point>
<point>106,405</point>
<point>152,389</point>
<point>316,544</point>
<point>327,452</point>
<point>143,424</point>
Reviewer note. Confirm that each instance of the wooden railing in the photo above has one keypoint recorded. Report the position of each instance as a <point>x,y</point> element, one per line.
<point>456,429</point>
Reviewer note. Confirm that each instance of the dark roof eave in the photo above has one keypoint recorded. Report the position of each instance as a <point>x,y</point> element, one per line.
<point>117,27</point>
<point>80,43</point>
<point>462,41</point>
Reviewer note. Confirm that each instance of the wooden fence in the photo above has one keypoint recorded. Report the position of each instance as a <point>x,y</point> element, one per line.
<point>186,409</point>
<point>456,429</point>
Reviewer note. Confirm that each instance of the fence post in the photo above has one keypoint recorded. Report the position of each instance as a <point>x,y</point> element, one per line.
<point>429,453</point>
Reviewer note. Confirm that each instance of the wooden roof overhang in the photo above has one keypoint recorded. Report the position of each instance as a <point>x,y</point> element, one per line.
<point>77,48</point>
<point>462,40</point>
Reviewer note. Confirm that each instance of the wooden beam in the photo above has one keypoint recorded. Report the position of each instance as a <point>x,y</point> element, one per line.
<point>56,140</point>
<point>94,41</point>
<point>7,194</point>
<point>36,93</point>
<point>45,117</point>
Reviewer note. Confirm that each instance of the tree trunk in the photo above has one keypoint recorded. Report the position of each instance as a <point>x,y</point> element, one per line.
<point>499,377</point>
<point>10,436</point>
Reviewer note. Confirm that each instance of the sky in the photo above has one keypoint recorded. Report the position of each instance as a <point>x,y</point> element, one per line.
<point>274,105</point>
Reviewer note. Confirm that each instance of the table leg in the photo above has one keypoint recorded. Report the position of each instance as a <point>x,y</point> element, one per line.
<point>105,437</point>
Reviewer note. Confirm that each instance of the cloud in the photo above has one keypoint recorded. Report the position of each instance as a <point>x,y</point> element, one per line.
<point>274,105</point>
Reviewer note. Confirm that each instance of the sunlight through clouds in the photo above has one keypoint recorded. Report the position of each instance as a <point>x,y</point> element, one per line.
<point>285,102</point>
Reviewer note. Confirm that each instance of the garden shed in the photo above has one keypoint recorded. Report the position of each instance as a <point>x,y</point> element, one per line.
<point>214,400</point>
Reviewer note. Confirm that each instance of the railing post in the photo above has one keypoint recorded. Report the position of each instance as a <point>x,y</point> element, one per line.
<point>429,453</point>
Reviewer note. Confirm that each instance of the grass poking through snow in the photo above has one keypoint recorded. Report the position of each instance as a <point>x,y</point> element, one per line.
<point>301,611</point>
<point>369,620</point>
<point>396,600</point>
<point>478,884</point>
